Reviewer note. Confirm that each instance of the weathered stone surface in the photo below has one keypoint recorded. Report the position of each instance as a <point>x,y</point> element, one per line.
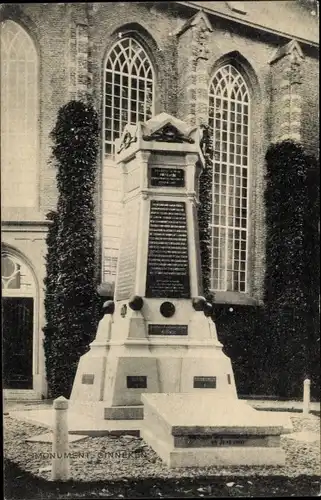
<point>194,430</point>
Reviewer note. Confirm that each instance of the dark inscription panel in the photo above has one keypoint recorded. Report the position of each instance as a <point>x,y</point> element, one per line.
<point>167,263</point>
<point>88,378</point>
<point>167,330</point>
<point>167,177</point>
<point>204,382</point>
<point>136,382</point>
<point>196,441</point>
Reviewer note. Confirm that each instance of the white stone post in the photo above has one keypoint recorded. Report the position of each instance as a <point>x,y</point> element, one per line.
<point>60,445</point>
<point>306,396</point>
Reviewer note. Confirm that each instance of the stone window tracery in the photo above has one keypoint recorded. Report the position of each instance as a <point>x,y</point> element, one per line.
<point>129,89</point>
<point>229,122</point>
<point>16,277</point>
<point>19,117</point>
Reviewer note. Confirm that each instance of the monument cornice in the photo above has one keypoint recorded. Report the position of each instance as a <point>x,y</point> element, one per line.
<point>160,341</point>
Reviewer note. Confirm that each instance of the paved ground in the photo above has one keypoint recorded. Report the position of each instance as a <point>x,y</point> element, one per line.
<point>86,422</point>
<point>40,413</point>
<point>257,403</point>
<point>282,405</point>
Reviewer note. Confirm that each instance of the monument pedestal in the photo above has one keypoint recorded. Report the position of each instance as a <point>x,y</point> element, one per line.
<point>116,373</point>
<point>200,430</point>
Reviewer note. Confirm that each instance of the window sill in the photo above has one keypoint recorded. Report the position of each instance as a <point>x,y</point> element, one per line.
<point>234,298</point>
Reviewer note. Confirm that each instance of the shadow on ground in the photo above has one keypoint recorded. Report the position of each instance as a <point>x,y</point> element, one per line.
<point>23,485</point>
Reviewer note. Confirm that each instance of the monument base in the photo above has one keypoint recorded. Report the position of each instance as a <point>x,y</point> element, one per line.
<point>199,430</point>
<point>114,377</point>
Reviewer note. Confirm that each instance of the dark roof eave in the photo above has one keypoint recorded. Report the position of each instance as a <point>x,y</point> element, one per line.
<point>252,25</point>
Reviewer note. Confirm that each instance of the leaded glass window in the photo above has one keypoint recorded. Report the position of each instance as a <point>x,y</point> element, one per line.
<point>19,117</point>
<point>16,277</point>
<point>129,89</point>
<point>229,116</point>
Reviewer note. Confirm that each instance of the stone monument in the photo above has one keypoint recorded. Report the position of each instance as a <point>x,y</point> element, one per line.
<point>156,355</point>
<point>157,336</point>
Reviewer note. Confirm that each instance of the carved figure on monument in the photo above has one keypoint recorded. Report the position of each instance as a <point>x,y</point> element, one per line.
<point>168,133</point>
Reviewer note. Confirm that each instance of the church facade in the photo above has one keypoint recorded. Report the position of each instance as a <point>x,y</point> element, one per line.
<point>247,69</point>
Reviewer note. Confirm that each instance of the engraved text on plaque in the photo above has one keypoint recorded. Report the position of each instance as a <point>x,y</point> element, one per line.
<point>167,263</point>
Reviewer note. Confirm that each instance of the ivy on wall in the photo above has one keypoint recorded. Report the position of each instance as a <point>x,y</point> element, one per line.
<point>292,263</point>
<point>205,211</point>
<point>71,299</point>
<point>275,346</point>
<point>50,282</point>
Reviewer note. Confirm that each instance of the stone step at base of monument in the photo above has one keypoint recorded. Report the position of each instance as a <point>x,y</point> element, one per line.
<point>124,412</point>
<point>211,456</point>
<point>101,412</point>
<point>196,430</point>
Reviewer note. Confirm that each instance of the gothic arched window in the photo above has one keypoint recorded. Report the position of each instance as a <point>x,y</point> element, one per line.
<point>16,277</point>
<point>229,116</point>
<point>129,89</point>
<point>19,116</point>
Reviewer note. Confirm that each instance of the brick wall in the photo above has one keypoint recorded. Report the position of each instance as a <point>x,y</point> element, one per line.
<point>73,40</point>
<point>310,105</point>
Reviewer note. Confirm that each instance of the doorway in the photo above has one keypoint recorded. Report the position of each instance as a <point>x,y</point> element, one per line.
<point>17,330</point>
<point>18,322</point>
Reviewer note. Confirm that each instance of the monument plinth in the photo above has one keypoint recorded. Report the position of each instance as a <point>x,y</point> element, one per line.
<point>157,337</point>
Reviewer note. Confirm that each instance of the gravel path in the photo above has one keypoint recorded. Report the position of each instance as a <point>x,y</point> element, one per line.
<point>113,458</point>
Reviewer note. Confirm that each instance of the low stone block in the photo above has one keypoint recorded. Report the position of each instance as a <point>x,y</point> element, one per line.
<point>193,430</point>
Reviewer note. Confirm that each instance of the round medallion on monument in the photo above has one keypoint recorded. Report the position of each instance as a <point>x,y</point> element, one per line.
<point>199,303</point>
<point>208,309</point>
<point>136,303</point>
<point>108,307</point>
<point>167,309</point>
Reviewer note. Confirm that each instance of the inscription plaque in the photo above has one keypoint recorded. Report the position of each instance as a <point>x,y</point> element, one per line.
<point>88,378</point>
<point>136,382</point>
<point>167,177</point>
<point>167,262</point>
<point>204,383</point>
<point>197,441</point>
<point>167,330</point>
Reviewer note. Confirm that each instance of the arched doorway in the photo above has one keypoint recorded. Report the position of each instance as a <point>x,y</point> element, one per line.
<point>18,314</point>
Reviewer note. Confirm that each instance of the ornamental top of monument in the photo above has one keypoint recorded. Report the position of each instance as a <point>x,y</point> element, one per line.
<point>161,133</point>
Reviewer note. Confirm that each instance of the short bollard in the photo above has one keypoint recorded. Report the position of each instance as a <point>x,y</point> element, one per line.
<point>306,396</point>
<point>60,445</point>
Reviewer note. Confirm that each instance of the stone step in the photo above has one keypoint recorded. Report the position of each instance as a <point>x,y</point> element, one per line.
<point>124,412</point>
<point>196,430</point>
